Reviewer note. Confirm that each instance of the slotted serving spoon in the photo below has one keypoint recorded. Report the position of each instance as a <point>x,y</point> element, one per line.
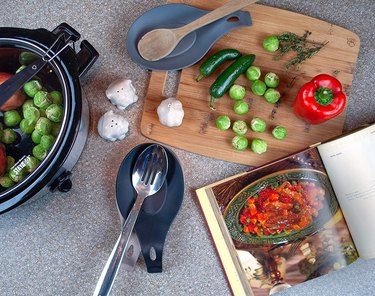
<point>159,43</point>
<point>148,176</point>
<point>10,86</point>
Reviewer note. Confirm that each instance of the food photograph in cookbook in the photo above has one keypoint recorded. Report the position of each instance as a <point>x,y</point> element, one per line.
<point>285,222</point>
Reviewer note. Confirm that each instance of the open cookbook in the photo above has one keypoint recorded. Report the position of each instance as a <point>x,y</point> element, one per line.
<point>296,218</point>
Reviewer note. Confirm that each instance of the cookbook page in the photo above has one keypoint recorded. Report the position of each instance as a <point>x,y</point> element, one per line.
<point>350,163</point>
<point>283,222</point>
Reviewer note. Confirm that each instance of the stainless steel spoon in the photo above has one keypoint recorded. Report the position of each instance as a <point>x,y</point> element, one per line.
<point>148,176</point>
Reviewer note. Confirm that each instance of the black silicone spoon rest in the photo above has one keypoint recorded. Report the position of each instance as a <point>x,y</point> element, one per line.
<point>158,211</point>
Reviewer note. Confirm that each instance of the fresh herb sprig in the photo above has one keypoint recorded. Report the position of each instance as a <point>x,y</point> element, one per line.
<point>304,48</point>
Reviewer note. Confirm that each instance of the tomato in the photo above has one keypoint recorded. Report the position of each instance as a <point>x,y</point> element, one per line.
<point>16,100</point>
<point>286,199</point>
<point>3,159</point>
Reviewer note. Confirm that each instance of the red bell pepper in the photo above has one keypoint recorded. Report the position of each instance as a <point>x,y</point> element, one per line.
<point>320,99</point>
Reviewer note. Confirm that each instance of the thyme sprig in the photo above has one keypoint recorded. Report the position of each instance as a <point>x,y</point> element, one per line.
<point>304,48</point>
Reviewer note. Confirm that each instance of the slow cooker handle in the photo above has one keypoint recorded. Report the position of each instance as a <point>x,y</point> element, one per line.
<point>86,57</point>
<point>68,32</point>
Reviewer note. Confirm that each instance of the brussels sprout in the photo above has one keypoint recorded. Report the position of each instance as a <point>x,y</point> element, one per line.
<point>279,132</point>
<point>43,126</point>
<point>32,87</point>
<point>31,113</point>
<point>237,92</point>
<point>36,137</point>
<point>42,99</point>
<point>239,127</point>
<point>27,126</point>
<point>55,128</point>
<point>271,79</point>
<point>31,163</point>
<point>241,107</point>
<point>258,125</point>
<point>10,162</point>
<point>57,97</point>
<point>6,181</point>
<point>27,104</point>
<point>222,122</point>
<point>47,141</point>
<point>54,112</point>
<point>12,118</point>
<point>9,136</point>
<point>239,143</point>
<point>16,174</point>
<point>271,43</point>
<point>258,146</point>
<point>27,57</point>
<point>253,73</point>
<point>39,152</point>
<point>272,95</point>
<point>258,87</point>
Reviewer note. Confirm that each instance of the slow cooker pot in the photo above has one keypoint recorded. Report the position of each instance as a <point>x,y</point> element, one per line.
<point>62,73</point>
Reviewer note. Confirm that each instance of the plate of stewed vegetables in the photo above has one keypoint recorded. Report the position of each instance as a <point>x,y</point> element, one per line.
<point>281,207</point>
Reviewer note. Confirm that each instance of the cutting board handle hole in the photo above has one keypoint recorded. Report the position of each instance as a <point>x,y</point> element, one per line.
<point>172,80</point>
<point>233,19</point>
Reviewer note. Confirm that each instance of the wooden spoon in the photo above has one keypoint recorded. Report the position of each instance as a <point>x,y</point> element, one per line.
<point>158,43</point>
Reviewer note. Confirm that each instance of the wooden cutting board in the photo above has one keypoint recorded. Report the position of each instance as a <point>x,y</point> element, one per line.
<point>198,133</point>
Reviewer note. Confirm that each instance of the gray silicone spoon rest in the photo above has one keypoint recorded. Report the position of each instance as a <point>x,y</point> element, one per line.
<point>191,48</point>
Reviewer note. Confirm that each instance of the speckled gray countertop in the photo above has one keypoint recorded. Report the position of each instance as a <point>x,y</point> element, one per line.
<point>58,244</point>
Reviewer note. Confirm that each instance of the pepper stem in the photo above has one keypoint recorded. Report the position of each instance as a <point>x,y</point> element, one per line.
<point>323,96</point>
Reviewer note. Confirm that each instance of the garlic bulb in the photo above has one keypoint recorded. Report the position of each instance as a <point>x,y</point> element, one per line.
<point>170,112</point>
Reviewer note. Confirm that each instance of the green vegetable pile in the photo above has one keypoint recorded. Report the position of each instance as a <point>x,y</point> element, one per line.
<point>39,119</point>
<point>240,128</point>
<point>261,86</point>
<point>225,82</point>
<point>265,87</point>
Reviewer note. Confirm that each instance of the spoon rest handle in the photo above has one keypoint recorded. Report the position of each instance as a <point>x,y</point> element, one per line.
<point>212,16</point>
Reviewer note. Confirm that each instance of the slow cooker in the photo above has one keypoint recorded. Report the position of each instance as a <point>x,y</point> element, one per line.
<point>61,74</point>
